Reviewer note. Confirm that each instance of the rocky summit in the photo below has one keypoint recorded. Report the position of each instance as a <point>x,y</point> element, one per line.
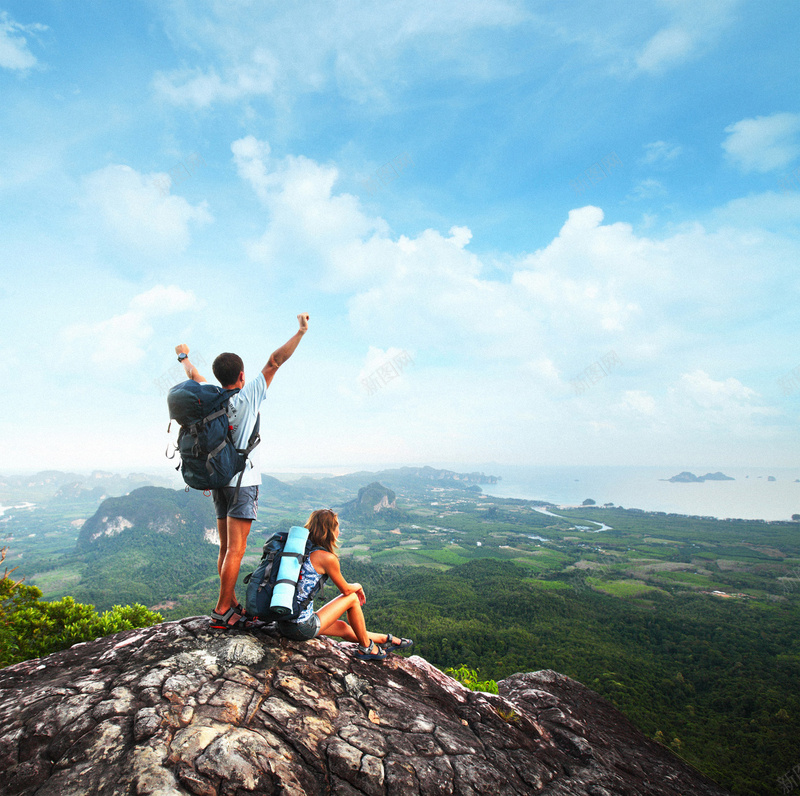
<point>176,709</point>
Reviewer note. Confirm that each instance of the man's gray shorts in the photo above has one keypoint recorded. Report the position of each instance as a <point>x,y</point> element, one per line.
<point>245,507</point>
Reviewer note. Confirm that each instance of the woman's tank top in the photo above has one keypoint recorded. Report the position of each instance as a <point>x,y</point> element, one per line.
<point>309,578</point>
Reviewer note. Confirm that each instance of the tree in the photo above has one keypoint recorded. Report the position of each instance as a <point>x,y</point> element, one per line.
<point>589,502</point>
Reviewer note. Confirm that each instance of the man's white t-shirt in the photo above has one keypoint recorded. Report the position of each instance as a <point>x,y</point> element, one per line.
<point>243,412</point>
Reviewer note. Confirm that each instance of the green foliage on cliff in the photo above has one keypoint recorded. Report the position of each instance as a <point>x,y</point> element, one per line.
<point>470,678</point>
<point>30,628</point>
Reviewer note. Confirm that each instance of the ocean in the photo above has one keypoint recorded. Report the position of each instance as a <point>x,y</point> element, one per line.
<point>752,495</point>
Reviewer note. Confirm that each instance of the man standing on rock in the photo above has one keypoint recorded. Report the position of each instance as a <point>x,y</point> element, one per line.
<point>235,514</point>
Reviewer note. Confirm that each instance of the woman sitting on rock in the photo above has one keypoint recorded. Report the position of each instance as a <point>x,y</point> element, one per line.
<point>323,532</point>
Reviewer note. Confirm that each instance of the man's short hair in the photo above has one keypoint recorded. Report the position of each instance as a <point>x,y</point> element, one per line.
<point>227,368</point>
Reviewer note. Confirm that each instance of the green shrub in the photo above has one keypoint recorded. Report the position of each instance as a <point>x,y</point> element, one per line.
<point>469,678</point>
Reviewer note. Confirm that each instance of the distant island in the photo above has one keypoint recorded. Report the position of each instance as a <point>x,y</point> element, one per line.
<point>691,478</point>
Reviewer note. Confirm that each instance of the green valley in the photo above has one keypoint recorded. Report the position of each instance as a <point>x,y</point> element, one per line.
<point>687,624</point>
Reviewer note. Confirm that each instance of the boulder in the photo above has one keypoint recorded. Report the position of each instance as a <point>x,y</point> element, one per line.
<point>177,709</point>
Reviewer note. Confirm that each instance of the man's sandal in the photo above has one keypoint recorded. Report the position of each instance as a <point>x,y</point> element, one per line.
<point>230,620</point>
<point>395,643</point>
<point>371,653</point>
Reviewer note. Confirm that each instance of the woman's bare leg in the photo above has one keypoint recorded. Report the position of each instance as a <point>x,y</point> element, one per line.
<point>356,630</point>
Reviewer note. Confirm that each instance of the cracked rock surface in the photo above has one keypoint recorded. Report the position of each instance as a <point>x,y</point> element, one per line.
<point>176,709</point>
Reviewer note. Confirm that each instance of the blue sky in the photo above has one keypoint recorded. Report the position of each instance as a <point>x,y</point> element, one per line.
<point>526,233</point>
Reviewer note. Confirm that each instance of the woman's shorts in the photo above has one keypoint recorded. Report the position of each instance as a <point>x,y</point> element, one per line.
<point>300,631</point>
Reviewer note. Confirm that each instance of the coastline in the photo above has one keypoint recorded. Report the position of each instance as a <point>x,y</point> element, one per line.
<point>750,496</point>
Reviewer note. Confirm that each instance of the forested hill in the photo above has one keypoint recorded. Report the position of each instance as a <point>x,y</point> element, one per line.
<point>717,680</point>
<point>143,515</point>
<point>410,480</point>
<point>147,547</point>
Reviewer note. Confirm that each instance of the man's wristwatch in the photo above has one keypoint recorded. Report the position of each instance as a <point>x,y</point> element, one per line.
<point>182,356</point>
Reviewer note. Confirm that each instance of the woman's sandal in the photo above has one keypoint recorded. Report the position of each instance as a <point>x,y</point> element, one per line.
<point>373,652</point>
<point>230,620</point>
<point>395,643</point>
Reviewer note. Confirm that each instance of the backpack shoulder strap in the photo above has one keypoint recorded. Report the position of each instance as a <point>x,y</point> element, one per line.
<point>255,438</point>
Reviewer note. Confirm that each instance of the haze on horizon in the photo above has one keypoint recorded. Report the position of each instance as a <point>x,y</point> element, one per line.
<point>525,234</point>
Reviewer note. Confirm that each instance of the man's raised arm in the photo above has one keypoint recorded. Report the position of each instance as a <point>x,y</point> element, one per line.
<point>280,355</point>
<point>192,373</point>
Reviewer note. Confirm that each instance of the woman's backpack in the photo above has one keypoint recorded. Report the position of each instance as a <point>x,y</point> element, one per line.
<point>262,582</point>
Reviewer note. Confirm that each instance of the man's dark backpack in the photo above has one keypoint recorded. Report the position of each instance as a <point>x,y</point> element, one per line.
<point>209,458</point>
<point>261,582</point>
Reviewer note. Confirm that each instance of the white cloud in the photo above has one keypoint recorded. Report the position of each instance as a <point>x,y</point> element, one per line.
<point>369,53</point>
<point>593,288</point>
<point>200,88</point>
<point>327,233</point>
<point>667,47</point>
<point>700,388</point>
<point>575,281</point>
<point>639,401</point>
<point>139,211</point>
<point>544,372</point>
<point>660,152</point>
<point>693,27</point>
<point>765,143</point>
<point>251,157</point>
<point>664,305</point>
<point>14,51</point>
<point>765,211</point>
<point>647,189</point>
<point>697,401</point>
<point>120,341</point>
<point>695,417</point>
<point>267,50</point>
<point>163,300</point>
